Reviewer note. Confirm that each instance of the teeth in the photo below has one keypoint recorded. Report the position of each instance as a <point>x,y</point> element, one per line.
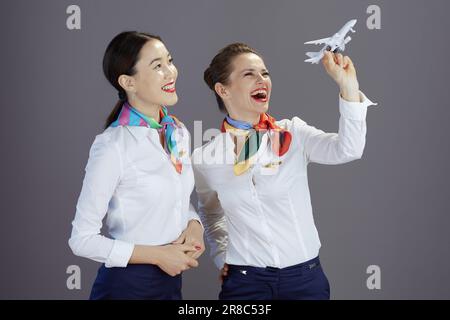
<point>259,91</point>
<point>169,87</point>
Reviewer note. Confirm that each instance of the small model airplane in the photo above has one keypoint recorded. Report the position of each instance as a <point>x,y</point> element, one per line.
<point>335,43</point>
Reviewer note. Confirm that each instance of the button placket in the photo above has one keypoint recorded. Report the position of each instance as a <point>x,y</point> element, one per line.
<point>179,191</point>
<point>265,225</point>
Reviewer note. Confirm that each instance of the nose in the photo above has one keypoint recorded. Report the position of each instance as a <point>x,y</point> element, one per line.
<point>169,72</point>
<point>260,78</point>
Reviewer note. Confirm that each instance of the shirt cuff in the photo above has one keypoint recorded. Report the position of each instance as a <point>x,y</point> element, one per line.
<point>355,110</point>
<point>120,254</point>
<point>192,215</point>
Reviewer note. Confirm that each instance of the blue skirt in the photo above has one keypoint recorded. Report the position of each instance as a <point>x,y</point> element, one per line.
<point>136,281</point>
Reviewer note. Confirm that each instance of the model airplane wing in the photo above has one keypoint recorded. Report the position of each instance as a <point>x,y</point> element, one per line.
<point>320,41</point>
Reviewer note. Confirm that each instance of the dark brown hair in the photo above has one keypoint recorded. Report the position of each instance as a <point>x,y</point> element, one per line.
<point>220,67</point>
<point>120,58</point>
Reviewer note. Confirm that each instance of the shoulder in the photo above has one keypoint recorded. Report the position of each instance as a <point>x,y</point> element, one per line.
<point>108,140</point>
<point>205,151</point>
<point>298,129</point>
<point>291,124</point>
<point>114,135</point>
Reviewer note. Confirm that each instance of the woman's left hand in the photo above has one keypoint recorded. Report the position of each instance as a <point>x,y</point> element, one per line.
<point>192,235</point>
<point>341,69</point>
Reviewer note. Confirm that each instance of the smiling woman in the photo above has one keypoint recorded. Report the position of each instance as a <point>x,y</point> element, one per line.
<point>139,175</point>
<point>257,212</point>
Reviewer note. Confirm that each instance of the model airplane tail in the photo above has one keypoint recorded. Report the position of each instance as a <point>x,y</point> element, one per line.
<point>314,57</point>
<point>312,54</point>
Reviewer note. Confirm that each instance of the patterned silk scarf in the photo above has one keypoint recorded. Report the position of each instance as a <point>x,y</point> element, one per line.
<point>129,116</point>
<point>280,139</point>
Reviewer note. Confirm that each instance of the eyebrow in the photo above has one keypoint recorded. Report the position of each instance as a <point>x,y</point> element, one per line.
<point>158,59</point>
<point>251,69</point>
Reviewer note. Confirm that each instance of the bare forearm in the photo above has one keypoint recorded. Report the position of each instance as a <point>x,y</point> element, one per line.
<point>195,222</point>
<point>143,254</point>
<point>172,259</point>
<point>351,95</point>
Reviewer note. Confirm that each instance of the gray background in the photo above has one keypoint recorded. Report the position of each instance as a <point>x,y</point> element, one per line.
<point>388,209</point>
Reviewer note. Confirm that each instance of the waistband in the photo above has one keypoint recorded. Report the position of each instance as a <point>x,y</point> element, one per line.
<point>304,266</point>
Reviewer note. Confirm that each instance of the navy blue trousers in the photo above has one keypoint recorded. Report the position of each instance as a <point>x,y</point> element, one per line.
<point>136,281</point>
<point>304,281</point>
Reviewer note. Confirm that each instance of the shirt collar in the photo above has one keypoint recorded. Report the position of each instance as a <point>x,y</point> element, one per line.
<point>142,132</point>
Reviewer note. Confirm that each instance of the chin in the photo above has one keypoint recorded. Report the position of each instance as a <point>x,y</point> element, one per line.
<point>262,109</point>
<point>171,101</point>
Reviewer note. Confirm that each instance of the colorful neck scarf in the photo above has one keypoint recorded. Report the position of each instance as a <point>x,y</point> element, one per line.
<point>129,116</point>
<point>280,139</point>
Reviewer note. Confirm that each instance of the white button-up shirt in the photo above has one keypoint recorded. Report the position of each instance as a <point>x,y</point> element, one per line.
<point>264,216</point>
<point>130,178</point>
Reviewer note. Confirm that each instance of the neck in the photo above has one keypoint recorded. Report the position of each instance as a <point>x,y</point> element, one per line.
<point>252,118</point>
<point>150,110</point>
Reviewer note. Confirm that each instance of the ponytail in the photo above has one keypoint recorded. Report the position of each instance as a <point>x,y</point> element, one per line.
<point>114,114</point>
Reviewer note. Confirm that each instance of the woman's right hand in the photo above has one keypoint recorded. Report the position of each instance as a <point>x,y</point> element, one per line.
<point>223,273</point>
<point>173,258</point>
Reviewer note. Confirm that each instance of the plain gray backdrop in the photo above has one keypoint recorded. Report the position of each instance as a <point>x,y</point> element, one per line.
<point>390,208</point>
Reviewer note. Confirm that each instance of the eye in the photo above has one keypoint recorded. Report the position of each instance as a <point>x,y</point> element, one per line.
<point>266,74</point>
<point>248,74</point>
<point>170,60</point>
<point>158,66</point>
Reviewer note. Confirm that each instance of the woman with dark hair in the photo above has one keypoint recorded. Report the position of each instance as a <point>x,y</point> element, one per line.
<point>139,175</point>
<point>251,180</point>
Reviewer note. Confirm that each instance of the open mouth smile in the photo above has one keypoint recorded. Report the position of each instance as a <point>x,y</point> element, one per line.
<point>169,87</point>
<point>260,95</point>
